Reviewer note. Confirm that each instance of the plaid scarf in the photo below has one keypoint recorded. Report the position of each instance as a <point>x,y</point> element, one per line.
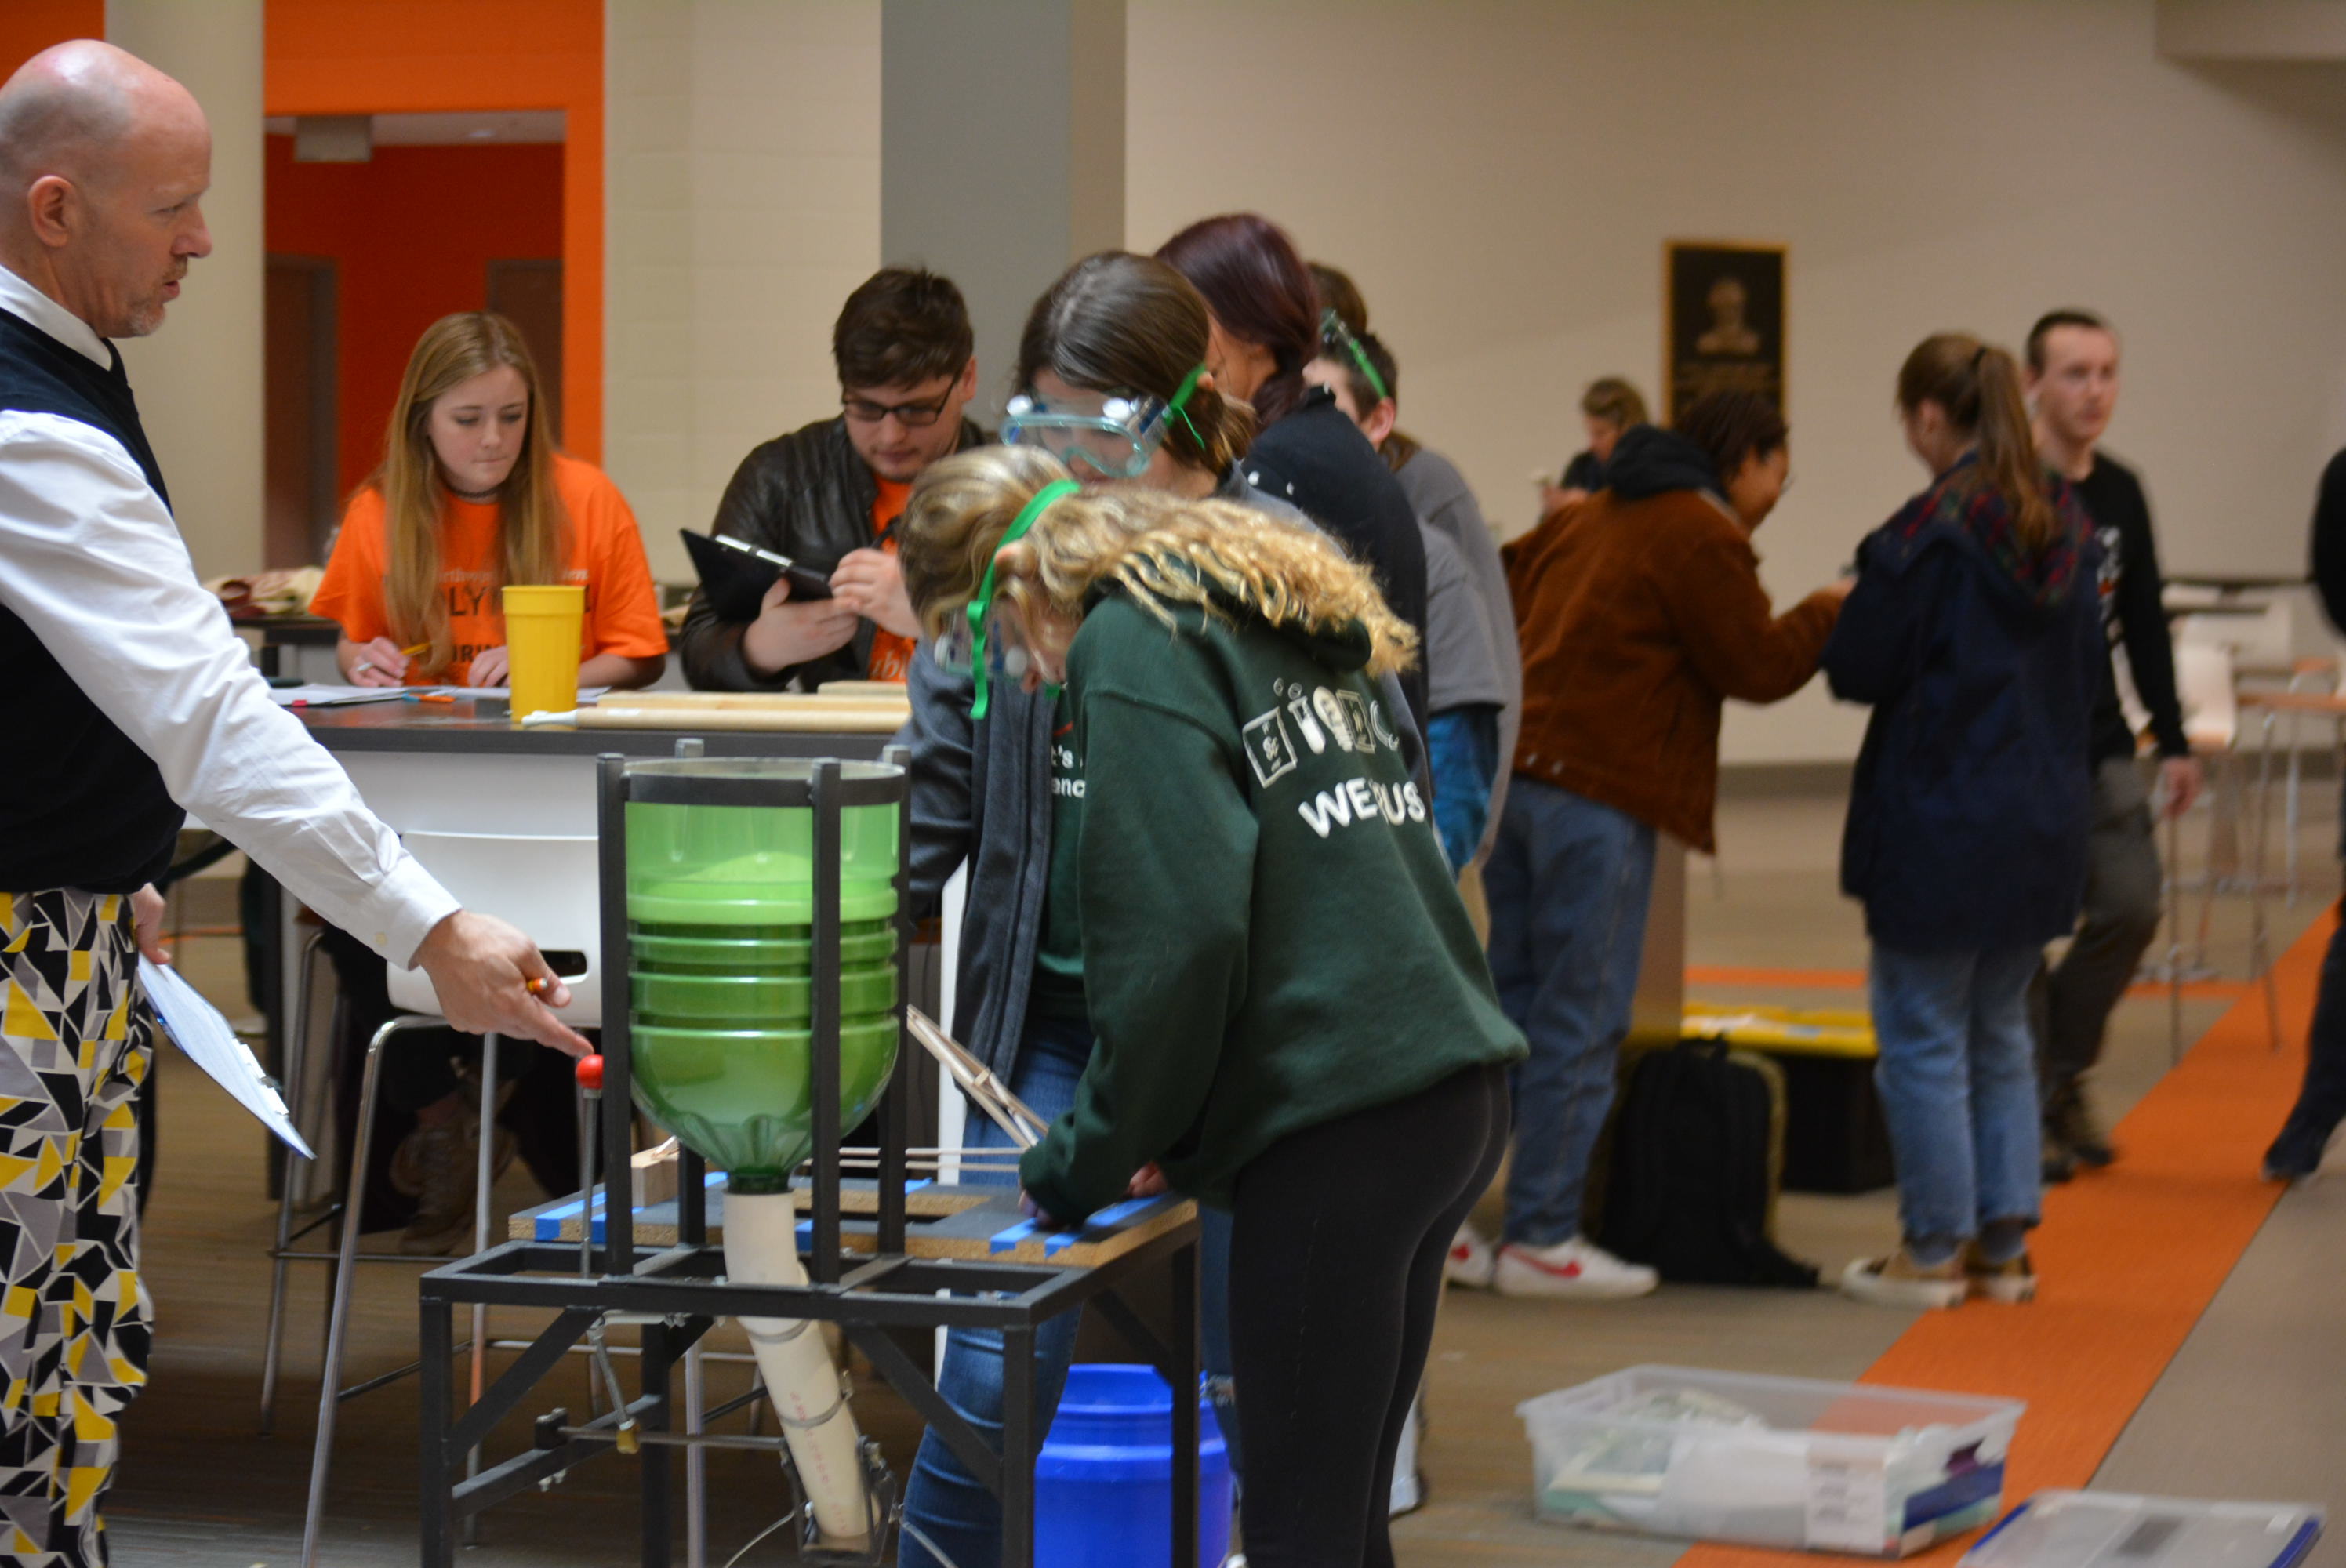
<point>1960,502</point>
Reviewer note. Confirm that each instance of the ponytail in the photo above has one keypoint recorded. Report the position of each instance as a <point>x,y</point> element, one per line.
<point>1978,386</point>
<point>2007,449</point>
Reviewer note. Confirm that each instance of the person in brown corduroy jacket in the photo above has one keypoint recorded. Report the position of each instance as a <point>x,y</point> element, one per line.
<point>1639,612</point>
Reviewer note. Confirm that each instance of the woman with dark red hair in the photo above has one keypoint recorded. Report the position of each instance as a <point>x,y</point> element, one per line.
<point>1265,329</point>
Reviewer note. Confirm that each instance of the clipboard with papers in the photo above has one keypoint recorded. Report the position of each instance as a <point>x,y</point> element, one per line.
<point>197,1029</point>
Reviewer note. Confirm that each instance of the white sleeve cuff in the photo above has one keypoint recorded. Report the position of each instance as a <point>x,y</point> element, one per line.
<point>402,910</point>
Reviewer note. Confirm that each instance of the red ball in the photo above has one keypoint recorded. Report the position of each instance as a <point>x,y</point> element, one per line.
<point>590,1073</point>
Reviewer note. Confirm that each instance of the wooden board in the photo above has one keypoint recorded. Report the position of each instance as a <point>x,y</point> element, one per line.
<point>832,720</point>
<point>972,1224</point>
<point>866,694</point>
<point>871,709</point>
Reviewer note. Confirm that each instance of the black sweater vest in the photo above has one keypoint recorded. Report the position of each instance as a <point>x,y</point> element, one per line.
<point>80,805</point>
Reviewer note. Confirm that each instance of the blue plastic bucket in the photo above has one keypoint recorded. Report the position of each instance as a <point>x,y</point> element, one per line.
<point>1104,1481</point>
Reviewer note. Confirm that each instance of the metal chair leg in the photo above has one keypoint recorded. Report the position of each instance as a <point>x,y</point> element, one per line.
<point>2292,818</point>
<point>2173,938</point>
<point>695,1464</point>
<point>484,1176</point>
<point>2223,842</point>
<point>2260,958</point>
<point>297,1047</point>
<point>338,1314</point>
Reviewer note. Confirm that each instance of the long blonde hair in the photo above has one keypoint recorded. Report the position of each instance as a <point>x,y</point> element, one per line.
<point>532,528</point>
<point>1162,549</point>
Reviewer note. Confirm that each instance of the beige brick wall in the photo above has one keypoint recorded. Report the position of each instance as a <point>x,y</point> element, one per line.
<point>743,190</point>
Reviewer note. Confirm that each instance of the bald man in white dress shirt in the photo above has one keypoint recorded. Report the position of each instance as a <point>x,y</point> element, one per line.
<point>127,699</point>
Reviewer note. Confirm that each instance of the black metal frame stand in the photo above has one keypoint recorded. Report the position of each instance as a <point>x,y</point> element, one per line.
<point>677,1293</point>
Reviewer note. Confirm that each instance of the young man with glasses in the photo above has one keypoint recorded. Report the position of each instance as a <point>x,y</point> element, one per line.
<point>828,496</point>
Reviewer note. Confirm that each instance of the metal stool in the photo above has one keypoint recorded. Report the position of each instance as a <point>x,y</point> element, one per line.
<point>549,888</point>
<point>331,1393</point>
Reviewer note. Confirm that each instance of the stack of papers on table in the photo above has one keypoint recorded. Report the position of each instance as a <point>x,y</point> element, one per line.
<point>316,695</point>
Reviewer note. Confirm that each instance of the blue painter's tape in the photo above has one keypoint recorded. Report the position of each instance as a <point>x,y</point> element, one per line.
<point>1003,1240</point>
<point>548,1226</point>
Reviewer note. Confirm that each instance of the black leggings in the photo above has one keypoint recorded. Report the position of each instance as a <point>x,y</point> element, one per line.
<point>1337,1242</point>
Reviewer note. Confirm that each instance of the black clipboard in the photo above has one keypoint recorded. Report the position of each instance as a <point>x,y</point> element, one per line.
<point>735,574</point>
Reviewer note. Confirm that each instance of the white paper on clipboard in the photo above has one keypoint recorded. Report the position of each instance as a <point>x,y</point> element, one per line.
<point>199,1031</point>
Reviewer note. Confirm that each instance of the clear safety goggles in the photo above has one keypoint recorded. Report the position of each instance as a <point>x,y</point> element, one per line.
<point>1106,435</point>
<point>996,640</point>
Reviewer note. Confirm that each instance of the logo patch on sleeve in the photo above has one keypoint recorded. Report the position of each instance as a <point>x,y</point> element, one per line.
<point>1268,747</point>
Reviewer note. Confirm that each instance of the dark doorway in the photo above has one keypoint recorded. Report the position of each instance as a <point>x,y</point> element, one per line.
<point>529,293</point>
<point>300,436</point>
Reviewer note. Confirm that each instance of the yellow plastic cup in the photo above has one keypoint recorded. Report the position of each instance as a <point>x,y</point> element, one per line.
<point>543,628</point>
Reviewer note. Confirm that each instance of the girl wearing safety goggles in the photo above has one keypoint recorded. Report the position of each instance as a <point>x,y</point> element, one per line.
<point>1294,1022</point>
<point>1111,384</point>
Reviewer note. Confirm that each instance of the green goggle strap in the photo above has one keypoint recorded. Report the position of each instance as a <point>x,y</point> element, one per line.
<point>979,607</point>
<point>1174,408</point>
<point>1332,325</point>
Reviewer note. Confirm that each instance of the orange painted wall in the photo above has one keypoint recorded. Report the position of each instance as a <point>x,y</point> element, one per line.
<point>29,26</point>
<point>393,56</point>
<point>446,212</point>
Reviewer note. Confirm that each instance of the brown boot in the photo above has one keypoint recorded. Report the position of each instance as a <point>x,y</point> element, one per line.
<point>445,1161</point>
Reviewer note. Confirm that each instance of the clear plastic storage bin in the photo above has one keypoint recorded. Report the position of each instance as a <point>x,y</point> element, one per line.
<point>1772,1461</point>
<point>2111,1529</point>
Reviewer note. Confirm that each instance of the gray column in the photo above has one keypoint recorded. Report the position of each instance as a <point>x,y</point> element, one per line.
<point>199,379</point>
<point>1001,151</point>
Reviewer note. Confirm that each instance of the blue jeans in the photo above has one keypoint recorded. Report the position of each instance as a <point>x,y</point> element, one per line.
<point>1568,882</point>
<point>947,1503</point>
<point>1958,1080</point>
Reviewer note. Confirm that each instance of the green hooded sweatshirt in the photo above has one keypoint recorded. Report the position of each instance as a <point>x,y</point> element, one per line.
<point>1270,939</point>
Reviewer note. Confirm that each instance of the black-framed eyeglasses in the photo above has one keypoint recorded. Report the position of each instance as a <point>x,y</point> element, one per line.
<point>910,415</point>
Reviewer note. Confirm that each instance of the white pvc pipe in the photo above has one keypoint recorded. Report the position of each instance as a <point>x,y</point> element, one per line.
<point>801,1381</point>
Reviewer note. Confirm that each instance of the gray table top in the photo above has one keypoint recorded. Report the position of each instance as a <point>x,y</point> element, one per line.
<point>481,725</point>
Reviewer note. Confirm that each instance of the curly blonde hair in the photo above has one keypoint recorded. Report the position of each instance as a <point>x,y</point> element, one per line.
<point>1162,549</point>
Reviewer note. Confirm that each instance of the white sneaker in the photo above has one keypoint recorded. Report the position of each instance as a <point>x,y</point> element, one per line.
<point>1578,1268</point>
<point>1471,1260</point>
<point>1898,1280</point>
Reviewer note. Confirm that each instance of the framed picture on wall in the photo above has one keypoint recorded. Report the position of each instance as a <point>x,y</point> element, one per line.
<point>1723,321</point>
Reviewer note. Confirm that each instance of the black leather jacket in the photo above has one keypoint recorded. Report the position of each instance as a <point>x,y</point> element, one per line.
<point>808,496</point>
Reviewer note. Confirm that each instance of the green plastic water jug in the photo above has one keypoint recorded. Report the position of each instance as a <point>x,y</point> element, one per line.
<point>721,911</point>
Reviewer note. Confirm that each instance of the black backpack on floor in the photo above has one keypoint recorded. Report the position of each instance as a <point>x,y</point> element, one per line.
<point>1697,1152</point>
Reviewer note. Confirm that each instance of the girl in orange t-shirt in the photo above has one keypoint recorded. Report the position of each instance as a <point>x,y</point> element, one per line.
<point>471,496</point>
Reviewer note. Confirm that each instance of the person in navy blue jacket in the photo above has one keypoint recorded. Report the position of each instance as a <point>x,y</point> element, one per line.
<point>2297,1151</point>
<point>1974,633</point>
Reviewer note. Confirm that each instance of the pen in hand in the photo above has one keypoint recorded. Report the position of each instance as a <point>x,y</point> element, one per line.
<point>394,672</point>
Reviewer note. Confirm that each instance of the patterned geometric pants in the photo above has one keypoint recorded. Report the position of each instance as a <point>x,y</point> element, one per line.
<point>77,1038</point>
